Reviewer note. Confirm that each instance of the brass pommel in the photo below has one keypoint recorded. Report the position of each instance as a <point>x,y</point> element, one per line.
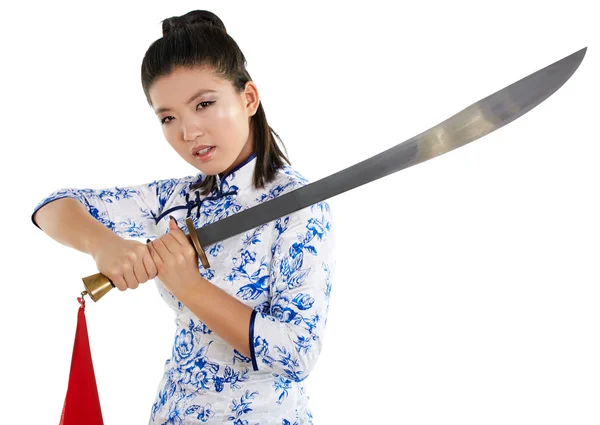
<point>97,285</point>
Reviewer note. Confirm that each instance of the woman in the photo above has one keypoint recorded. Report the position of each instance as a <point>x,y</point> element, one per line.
<point>250,328</point>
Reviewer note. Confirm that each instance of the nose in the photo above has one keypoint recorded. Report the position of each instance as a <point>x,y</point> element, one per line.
<point>191,130</point>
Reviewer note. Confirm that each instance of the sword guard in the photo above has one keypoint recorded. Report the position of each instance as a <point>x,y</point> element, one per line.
<point>193,237</point>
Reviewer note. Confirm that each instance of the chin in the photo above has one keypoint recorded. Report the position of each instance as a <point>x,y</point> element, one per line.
<point>208,169</point>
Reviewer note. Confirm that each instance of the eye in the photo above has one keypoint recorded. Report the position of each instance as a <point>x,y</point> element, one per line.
<point>202,103</point>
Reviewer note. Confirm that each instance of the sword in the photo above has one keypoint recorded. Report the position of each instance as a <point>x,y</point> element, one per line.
<point>475,121</point>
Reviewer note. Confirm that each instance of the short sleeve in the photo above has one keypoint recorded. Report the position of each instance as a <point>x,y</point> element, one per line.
<point>129,212</point>
<point>289,338</point>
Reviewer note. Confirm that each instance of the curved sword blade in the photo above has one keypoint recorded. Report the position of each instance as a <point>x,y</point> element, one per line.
<point>472,123</point>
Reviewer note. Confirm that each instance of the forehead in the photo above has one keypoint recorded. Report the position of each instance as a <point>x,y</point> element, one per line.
<point>177,87</point>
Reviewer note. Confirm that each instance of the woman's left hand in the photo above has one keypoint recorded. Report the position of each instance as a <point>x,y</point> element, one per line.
<point>176,261</point>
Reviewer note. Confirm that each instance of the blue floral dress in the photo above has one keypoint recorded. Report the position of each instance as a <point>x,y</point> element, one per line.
<point>283,269</point>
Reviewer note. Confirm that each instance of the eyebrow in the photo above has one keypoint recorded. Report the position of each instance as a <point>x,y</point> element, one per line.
<point>196,95</point>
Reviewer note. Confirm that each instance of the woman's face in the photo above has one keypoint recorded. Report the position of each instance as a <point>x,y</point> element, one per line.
<point>196,108</point>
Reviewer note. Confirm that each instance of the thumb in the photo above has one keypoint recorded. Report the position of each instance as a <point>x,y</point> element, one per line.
<point>173,223</point>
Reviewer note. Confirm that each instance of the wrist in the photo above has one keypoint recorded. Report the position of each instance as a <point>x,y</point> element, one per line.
<point>195,289</point>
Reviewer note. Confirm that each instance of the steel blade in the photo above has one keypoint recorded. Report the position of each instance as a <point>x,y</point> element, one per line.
<point>472,123</point>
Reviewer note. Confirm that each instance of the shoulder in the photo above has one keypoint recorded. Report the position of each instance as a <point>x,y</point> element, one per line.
<point>289,173</point>
<point>174,185</point>
<point>286,179</point>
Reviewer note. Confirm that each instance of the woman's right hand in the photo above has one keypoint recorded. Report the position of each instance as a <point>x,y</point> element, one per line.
<point>127,263</point>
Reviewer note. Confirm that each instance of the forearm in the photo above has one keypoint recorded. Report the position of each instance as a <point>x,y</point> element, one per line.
<point>69,223</point>
<point>223,314</point>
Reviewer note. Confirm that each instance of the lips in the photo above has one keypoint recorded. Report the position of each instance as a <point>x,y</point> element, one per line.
<point>199,148</point>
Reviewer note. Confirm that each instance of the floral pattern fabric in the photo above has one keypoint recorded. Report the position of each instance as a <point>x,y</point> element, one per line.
<point>282,269</point>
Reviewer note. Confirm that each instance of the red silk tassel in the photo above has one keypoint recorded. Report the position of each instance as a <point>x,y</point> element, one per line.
<point>82,404</point>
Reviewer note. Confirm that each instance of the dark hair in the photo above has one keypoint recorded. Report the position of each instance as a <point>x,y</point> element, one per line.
<point>199,38</point>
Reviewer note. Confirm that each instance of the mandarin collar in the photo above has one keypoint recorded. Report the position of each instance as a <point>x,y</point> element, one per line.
<point>240,178</point>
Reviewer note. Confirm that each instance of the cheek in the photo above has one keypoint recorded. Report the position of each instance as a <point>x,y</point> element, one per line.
<point>172,137</point>
<point>171,132</point>
<point>228,115</point>
<point>220,118</point>
<point>230,121</point>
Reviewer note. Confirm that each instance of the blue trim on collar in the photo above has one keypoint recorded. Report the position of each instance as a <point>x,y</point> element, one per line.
<point>250,158</point>
<point>222,179</point>
<point>197,203</point>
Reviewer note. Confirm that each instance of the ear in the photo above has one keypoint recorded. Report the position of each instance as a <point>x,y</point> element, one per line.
<point>252,99</point>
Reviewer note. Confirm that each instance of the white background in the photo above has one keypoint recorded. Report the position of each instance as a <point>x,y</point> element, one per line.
<point>467,287</point>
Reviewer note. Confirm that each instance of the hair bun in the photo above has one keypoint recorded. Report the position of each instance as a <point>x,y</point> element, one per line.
<point>195,17</point>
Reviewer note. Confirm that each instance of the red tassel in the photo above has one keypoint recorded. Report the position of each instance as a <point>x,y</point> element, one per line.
<point>82,404</point>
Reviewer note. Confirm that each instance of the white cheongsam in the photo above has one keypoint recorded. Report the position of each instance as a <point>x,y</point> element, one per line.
<point>283,269</point>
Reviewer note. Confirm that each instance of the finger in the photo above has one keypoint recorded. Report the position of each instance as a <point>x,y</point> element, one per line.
<point>139,270</point>
<point>185,244</point>
<point>161,248</point>
<point>170,243</point>
<point>119,282</point>
<point>130,278</point>
<point>149,264</point>
<point>177,233</point>
<point>155,256</point>
<point>178,253</point>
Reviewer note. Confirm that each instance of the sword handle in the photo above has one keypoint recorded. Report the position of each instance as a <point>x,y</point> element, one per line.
<point>98,285</point>
<point>193,236</point>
